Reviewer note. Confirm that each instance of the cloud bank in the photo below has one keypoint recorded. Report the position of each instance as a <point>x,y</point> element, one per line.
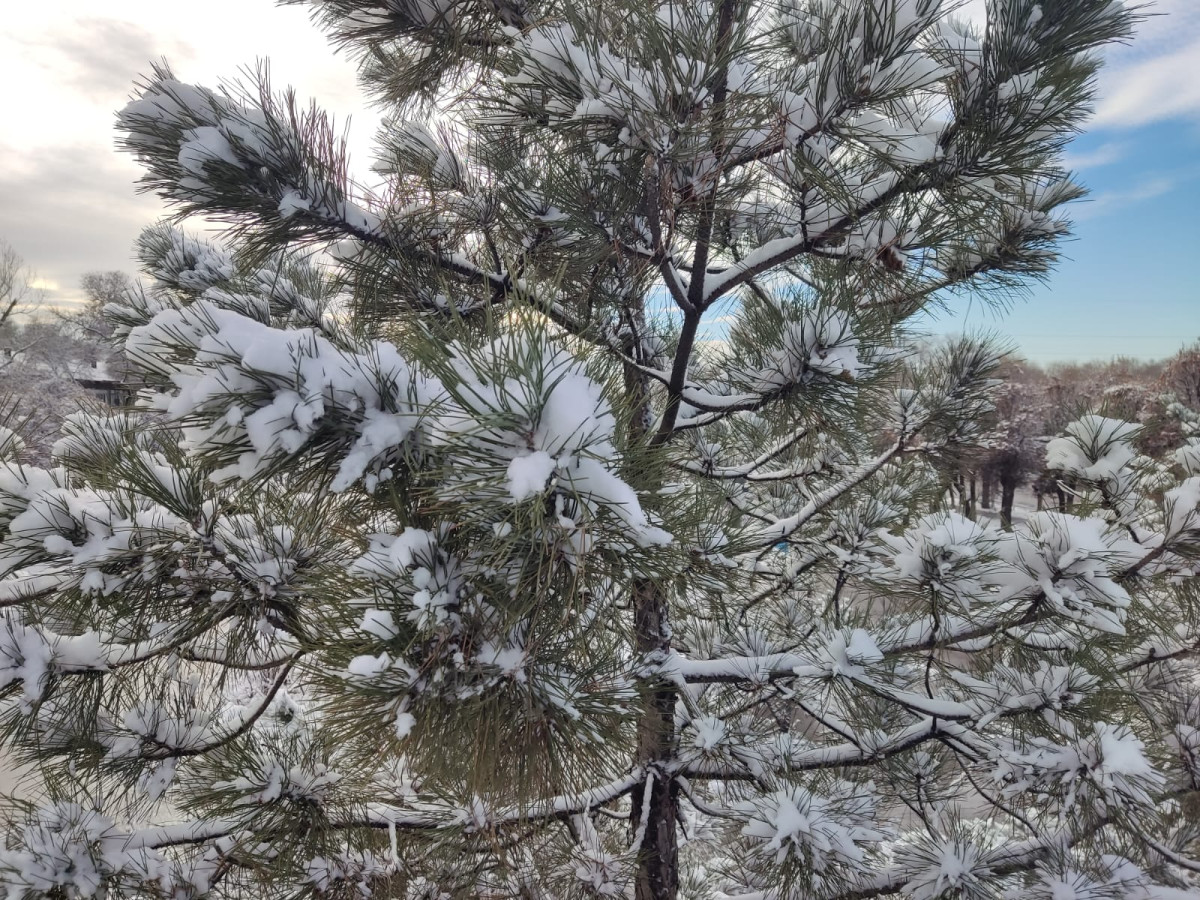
<point>70,204</point>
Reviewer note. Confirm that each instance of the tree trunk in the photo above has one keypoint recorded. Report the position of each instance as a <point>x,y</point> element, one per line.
<point>971,505</point>
<point>658,861</point>
<point>986,500</point>
<point>1008,493</point>
<point>658,856</point>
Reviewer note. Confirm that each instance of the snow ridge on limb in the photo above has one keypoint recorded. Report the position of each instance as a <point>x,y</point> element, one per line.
<point>202,148</point>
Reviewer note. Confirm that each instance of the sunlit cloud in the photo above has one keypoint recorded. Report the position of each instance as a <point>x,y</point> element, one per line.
<point>70,202</point>
<point>1152,79</point>
<point>1152,90</point>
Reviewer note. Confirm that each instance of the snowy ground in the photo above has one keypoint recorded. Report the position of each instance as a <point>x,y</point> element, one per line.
<point>1024,506</point>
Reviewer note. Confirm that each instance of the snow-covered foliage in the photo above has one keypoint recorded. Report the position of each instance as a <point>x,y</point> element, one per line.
<point>568,527</point>
<point>1099,453</point>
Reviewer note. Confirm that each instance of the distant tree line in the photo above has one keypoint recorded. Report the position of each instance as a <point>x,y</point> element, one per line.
<point>1036,402</point>
<point>55,361</point>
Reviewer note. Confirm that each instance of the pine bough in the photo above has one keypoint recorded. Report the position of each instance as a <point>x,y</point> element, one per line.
<point>561,518</point>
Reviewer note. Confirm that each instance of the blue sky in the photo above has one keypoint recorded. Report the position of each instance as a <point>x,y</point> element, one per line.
<point>1129,280</point>
<point>1129,284</point>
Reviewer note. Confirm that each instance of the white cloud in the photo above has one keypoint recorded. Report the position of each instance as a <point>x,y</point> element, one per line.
<point>98,58</point>
<point>1104,155</point>
<point>1153,78</point>
<point>1108,202</point>
<point>1151,90</point>
<point>69,210</point>
<point>63,45</point>
<point>67,65</point>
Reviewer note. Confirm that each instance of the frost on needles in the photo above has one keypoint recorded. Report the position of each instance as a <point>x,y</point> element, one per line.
<point>562,515</point>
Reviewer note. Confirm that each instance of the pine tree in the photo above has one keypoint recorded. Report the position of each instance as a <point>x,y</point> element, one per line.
<point>562,516</point>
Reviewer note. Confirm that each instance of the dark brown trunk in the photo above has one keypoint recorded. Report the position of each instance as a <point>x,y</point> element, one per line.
<point>1008,494</point>
<point>986,500</point>
<point>658,861</point>
<point>971,502</point>
<point>658,851</point>
<point>658,857</point>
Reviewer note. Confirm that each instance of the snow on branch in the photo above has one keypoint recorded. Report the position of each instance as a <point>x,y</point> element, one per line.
<point>214,152</point>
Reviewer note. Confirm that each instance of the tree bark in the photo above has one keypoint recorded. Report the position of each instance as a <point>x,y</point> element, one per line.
<point>658,859</point>
<point>1008,494</point>
<point>986,500</point>
<point>658,855</point>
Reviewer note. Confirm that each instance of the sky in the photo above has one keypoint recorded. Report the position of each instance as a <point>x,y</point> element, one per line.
<point>1129,283</point>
